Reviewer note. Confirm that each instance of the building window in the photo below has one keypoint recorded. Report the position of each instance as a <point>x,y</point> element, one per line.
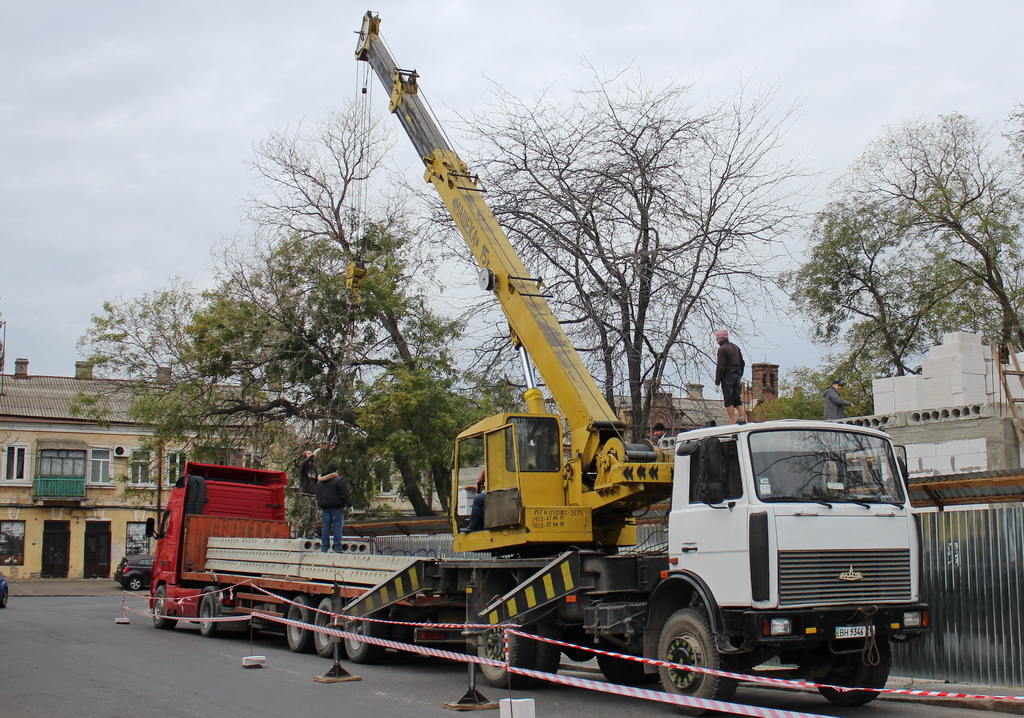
<point>62,462</point>
<point>139,468</point>
<point>14,463</point>
<point>12,543</point>
<point>175,466</point>
<point>99,466</point>
<point>136,543</point>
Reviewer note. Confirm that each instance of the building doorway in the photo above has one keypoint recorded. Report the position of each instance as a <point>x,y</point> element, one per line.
<point>97,549</point>
<point>56,540</point>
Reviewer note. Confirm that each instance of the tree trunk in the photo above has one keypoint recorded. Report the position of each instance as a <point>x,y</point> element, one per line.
<point>411,486</point>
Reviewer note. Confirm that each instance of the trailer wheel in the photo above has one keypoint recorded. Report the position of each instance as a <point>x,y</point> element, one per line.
<point>852,672</point>
<point>209,607</point>
<point>300,640</point>
<point>687,638</point>
<point>523,653</point>
<point>160,609</point>
<point>359,652</point>
<point>321,641</point>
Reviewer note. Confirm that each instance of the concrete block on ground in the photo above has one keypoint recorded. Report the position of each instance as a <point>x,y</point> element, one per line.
<point>517,708</point>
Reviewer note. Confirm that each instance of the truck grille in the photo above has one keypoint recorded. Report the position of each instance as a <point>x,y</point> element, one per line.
<point>820,578</point>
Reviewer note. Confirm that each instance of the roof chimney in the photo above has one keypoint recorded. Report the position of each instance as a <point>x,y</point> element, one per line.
<point>21,368</point>
<point>695,391</point>
<point>163,375</point>
<point>83,370</point>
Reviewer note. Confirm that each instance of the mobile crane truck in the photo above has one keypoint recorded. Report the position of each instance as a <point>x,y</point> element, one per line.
<point>786,539</point>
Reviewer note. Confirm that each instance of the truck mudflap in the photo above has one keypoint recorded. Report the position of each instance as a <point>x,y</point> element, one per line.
<point>807,626</point>
<point>557,579</point>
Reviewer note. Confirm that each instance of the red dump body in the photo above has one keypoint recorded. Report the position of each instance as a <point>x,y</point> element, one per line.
<point>212,500</point>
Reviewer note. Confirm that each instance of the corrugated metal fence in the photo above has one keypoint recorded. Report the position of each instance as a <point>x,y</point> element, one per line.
<point>972,577</point>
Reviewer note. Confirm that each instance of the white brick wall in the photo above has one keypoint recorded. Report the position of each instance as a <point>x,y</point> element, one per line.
<point>947,457</point>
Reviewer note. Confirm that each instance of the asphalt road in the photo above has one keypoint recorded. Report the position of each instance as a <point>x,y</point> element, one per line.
<point>66,656</point>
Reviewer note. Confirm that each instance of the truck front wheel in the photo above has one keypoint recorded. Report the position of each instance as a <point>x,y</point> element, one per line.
<point>687,638</point>
<point>160,609</point>
<point>853,672</point>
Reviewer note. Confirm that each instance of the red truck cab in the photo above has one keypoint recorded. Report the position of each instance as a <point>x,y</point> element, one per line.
<point>210,500</point>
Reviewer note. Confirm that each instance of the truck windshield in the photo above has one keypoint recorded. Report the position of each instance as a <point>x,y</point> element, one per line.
<point>824,466</point>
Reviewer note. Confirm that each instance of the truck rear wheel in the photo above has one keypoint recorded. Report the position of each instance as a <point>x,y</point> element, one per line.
<point>854,673</point>
<point>321,641</point>
<point>359,652</point>
<point>687,638</point>
<point>523,653</point>
<point>209,607</point>
<point>160,609</point>
<point>300,640</point>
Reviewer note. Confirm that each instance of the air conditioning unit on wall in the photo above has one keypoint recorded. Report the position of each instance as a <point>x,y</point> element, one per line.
<point>122,452</point>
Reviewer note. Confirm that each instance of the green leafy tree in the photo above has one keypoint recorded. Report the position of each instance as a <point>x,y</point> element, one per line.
<point>868,283</point>
<point>922,237</point>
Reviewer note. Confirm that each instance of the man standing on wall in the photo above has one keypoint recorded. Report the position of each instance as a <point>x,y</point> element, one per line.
<point>332,496</point>
<point>729,374</point>
<point>835,405</point>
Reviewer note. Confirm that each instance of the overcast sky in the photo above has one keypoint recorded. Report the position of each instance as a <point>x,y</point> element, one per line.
<point>126,126</point>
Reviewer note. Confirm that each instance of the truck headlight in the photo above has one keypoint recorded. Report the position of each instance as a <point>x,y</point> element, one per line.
<point>912,619</point>
<point>780,627</point>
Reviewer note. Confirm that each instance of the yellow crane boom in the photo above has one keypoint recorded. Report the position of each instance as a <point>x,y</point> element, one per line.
<point>603,478</point>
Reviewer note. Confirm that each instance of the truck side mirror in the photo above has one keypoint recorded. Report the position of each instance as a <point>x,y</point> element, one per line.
<point>714,492</point>
<point>712,476</point>
<point>150,527</point>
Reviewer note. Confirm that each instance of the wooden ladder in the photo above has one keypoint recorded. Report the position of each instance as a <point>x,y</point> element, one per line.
<point>1013,403</point>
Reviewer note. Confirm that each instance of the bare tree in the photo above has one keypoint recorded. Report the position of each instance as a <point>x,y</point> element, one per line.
<point>653,221</point>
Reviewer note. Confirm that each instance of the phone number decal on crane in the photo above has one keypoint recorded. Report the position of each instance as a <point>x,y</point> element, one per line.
<point>558,518</point>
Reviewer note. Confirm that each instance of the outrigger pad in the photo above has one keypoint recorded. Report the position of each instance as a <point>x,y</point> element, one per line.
<point>337,674</point>
<point>474,700</point>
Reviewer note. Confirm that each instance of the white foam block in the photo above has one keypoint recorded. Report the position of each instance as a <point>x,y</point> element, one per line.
<point>517,708</point>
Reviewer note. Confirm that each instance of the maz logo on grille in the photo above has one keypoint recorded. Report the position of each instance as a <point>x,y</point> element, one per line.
<point>851,575</point>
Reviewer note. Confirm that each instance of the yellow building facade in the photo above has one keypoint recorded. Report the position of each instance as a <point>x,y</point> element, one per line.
<point>75,492</point>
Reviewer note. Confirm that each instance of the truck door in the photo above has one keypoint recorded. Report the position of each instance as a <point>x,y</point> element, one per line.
<point>708,530</point>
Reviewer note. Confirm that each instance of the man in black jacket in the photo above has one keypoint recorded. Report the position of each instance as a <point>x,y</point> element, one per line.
<point>332,496</point>
<point>729,373</point>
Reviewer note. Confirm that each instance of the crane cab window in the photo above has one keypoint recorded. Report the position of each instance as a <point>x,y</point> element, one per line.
<point>470,464</point>
<point>537,444</point>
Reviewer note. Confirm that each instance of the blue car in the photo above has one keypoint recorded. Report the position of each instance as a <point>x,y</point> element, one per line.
<point>3,591</point>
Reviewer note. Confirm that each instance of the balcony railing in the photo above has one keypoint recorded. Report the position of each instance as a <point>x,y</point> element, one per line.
<point>60,487</point>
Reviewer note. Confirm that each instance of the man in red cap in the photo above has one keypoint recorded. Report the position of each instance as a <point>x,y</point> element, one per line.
<point>728,374</point>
